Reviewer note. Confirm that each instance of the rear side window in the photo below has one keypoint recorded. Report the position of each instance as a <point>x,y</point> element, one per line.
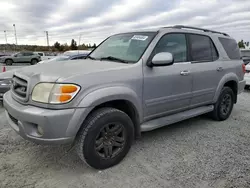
<point>231,47</point>
<point>202,48</point>
<point>28,54</point>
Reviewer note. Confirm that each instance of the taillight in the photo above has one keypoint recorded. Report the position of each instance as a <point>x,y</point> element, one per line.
<point>244,68</point>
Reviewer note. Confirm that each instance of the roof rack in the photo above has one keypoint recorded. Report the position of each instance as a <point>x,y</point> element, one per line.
<point>197,28</point>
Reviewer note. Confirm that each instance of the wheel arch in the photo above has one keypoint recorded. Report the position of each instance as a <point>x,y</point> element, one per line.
<point>124,99</point>
<point>229,80</point>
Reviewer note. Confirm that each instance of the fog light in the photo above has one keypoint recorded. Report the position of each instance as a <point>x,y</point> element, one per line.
<point>40,130</point>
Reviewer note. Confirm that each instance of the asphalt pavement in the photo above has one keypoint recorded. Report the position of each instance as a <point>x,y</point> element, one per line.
<point>197,153</point>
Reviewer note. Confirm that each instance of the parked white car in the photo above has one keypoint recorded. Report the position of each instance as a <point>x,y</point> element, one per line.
<point>44,56</point>
<point>247,76</point>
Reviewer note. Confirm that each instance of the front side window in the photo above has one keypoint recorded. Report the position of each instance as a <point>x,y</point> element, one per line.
<point>19,54</point>
<point>127,47</point>
<point>202,48</point>
<point>173,43</point>
<point>28,54</point>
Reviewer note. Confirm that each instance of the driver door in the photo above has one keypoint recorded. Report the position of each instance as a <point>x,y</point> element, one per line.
<point>168,89</point>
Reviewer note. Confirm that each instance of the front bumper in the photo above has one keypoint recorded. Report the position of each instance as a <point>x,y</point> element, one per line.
<point>59,126</point>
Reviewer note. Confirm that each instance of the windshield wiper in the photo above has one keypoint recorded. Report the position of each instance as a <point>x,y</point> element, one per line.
<point>89,57</point>
<point>113,59</point>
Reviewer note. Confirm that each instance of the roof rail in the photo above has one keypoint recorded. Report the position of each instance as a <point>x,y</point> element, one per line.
<point>200,29</point>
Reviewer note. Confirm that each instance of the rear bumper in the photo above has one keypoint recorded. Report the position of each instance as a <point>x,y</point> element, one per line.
<point>247,79</point>
<point>241,86</point>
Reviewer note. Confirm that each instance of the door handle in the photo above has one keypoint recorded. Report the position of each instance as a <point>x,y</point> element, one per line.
<point>219,69</point>
<point>185,73</point>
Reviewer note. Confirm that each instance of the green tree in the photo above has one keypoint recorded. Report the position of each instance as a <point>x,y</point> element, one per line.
<point>73,45</point>
<point>94,46</point>
<point>241,44</point>
<point>57,46</point>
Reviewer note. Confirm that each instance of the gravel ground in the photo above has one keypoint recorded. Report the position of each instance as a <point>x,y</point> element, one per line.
<point>197,153</point>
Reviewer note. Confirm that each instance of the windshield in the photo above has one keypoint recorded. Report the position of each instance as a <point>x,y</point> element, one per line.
<point>128,47</point>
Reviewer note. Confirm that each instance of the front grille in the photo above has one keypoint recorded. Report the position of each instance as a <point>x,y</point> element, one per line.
<point>19,86</point>
<point>13,119</point>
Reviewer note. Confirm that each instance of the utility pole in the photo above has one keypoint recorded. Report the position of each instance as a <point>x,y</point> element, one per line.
<point>47,37</point>
<point>5,37</point>
<point>79,41</point>
<point>5,40</point>
<point>15,32</point>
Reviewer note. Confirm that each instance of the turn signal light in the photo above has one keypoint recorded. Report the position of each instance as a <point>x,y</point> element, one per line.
<point>64,98</point>
<point>68,89</point>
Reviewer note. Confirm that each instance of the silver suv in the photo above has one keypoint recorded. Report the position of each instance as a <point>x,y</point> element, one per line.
<point>21,57</point>
<point>131,83</point>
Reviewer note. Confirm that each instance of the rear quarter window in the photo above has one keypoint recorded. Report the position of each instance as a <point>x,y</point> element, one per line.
<point>231,47</point>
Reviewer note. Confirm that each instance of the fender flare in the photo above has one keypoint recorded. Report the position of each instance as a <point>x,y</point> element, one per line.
<point>103,95</point>
<point>226,78</point>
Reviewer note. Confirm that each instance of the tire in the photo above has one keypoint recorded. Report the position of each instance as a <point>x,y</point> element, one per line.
<point>9,62</point>
<point>34,61</point>
<point>92,136</point>
<point>224,106</point>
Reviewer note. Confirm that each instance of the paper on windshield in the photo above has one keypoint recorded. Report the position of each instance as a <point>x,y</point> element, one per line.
<point>139,37</point>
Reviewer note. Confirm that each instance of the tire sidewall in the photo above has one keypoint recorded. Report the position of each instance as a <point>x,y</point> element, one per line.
<point>90,155</point>
<point>8,62</point>
<point>225,91</point>
<point>32,62</point>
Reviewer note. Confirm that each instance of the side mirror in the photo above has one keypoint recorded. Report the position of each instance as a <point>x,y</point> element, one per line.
<point>163,59</point>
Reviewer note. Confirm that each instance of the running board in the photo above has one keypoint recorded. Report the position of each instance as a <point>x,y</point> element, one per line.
<point>167,120</point>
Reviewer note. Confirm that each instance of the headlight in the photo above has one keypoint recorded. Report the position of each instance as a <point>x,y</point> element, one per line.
<point>54,93</point>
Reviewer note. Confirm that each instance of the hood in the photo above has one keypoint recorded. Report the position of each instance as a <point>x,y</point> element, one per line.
<point>53,71</point>
<point>6,56</point>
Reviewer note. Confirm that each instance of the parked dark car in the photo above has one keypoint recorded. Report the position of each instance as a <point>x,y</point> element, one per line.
<point>67,56</point>
<point>5,84</point>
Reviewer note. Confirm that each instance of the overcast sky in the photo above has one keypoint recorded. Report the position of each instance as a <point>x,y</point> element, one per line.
<point>97,19</point>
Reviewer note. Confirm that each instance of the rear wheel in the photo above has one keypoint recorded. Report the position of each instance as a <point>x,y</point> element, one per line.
<point>105,138</point>
<point>33,61</point>
<point>224,105</point>
<point>9,62</point>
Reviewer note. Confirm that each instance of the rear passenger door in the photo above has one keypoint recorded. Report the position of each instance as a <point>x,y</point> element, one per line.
<point>27,56</point>
<point>205,68</point>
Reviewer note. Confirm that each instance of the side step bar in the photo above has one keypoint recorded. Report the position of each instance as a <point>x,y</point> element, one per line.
<point>167,120</point>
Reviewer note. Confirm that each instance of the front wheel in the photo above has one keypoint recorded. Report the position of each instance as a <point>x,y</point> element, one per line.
<point>105,138</point>
<point>224,105</point>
